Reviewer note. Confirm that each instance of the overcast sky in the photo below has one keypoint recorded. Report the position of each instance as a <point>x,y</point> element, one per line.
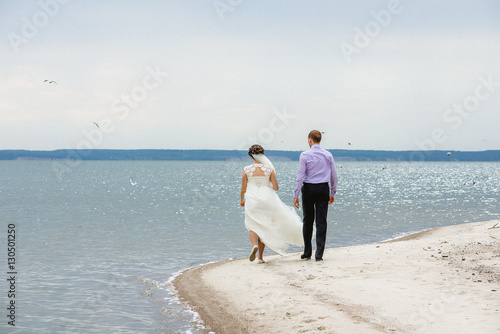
<point>389,75</point>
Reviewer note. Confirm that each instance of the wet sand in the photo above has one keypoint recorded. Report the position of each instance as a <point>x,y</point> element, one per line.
<point>445,280</point>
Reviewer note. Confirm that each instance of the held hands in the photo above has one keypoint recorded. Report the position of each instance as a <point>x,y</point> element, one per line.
<point>332,199</point>
<point>242,203</point>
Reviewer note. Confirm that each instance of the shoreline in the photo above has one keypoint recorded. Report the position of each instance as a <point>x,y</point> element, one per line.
<point>434,281</point>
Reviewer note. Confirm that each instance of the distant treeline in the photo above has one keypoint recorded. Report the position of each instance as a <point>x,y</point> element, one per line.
<point>221,155</point>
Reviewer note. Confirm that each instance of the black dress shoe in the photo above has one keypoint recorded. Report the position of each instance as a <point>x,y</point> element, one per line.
<point>319,259</point>
<point>303,257</point>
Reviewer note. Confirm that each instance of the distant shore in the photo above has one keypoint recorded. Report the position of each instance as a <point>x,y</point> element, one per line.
<point>225,155</point>
<point>444,280</point>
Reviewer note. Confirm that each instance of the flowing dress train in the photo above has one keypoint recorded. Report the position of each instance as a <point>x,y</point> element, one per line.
<point>276,223</point>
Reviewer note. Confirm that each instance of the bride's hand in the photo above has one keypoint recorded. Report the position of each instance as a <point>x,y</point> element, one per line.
<point>242,203</point>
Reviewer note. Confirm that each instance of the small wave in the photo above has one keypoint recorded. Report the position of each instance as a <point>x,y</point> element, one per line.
<point>174,298</point>
<point>400,235</point>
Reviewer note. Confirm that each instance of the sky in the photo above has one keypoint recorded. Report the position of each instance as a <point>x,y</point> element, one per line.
<point>226,74</point>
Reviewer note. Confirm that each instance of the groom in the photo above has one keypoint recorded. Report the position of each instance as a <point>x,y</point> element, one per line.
<point>317,177</point>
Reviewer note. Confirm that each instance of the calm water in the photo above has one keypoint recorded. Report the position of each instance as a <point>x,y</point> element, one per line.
<point>95,253</point>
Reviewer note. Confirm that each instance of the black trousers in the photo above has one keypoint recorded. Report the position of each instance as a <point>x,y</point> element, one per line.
<point>315,199</point>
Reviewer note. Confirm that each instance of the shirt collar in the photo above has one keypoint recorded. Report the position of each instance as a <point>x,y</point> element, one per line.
<point>315,146</point>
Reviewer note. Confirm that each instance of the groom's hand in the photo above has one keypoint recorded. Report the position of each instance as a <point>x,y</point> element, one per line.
<point>296,202</point>
<point>332,199</point>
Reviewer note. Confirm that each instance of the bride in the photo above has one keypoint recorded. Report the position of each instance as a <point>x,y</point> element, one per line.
<point>268,220</point>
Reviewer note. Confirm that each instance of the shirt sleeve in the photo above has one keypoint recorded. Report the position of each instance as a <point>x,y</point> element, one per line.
<point>333,179</point>
<point>300,176</point>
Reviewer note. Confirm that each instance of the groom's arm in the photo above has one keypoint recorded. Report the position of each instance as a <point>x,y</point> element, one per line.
<point>333,179</point>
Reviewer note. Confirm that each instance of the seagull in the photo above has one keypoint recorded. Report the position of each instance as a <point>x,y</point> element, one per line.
<point>448,154</point>
<point>132,182</point>
<point>349,144</point>
<point>473,181</point>
<point>50,82</point>
<point>96,124</point>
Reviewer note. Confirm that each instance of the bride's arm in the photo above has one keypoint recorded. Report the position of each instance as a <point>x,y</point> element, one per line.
<point>243,188</point>
<point>274,181</point>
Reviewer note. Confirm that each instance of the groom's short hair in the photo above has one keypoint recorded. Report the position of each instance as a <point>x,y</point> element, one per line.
<point>315,135</point>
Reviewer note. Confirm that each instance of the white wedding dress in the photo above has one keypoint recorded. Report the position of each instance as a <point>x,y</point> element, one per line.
<point>276,223</point>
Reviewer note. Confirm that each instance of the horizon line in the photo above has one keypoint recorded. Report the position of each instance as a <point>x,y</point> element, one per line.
<point>234,150</point>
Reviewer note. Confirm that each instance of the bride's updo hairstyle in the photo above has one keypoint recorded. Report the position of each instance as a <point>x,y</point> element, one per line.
<point>255,149</point>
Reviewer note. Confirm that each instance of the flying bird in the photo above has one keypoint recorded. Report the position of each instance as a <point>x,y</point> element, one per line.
<point>50,82</point>
<point>96,124</point>
<point>132,182</point>
<point>349,144</point>
<point>448,154</point>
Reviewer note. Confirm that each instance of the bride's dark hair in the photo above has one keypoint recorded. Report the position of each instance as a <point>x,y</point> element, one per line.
<point>255,149</point>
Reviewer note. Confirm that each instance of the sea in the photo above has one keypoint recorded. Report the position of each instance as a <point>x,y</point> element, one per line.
<point>97,243</point>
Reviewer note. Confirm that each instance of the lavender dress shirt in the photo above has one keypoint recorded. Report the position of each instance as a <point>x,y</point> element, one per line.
<point>316,165</point>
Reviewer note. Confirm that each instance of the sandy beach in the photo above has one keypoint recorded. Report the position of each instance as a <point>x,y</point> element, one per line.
<point>445,280</point>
